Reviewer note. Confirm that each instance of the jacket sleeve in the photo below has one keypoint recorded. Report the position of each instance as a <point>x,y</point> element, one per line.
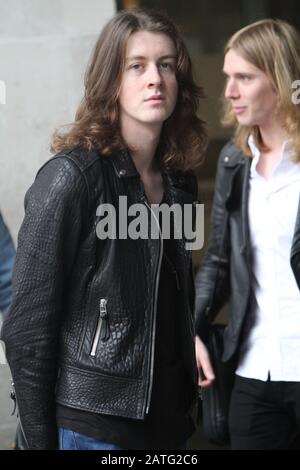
<point>212,281</point>
<point>47,245</point>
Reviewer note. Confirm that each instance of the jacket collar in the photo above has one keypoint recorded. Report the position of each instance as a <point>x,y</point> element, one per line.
<point>233,159</point>
<point>295,250</point>
<point>123,165</point>
<point>125,168</point>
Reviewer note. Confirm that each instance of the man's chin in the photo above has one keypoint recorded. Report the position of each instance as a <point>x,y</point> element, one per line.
<point>243,121</point>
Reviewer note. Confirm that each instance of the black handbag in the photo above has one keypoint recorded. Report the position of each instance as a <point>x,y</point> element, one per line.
<point>215,399</point>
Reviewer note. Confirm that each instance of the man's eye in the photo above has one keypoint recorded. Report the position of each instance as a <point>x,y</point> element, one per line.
<point>166,66</point>
<point>245,77</point>
<point>136,66</point>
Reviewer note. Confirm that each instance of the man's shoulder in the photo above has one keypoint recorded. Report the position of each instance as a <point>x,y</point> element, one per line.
<point>64,177</point>
<point>75,166</point>
<point>83,159</point>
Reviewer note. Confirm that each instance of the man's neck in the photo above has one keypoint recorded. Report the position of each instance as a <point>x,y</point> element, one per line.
<point>273,136</point>
<point>143,141</point>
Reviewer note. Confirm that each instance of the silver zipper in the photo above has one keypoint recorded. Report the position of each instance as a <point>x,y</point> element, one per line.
<point>154,310</point>
<point>102,315</point>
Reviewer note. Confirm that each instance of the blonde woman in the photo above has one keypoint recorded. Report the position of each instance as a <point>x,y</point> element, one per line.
<point>253,258</point>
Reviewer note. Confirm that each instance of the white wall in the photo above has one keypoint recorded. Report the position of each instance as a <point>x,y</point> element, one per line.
<point>44,49</point>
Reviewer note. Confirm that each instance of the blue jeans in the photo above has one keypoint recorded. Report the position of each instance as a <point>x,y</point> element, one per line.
<point>70,440</point>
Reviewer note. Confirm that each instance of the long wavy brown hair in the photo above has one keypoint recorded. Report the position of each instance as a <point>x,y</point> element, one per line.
<point>96,124</point>
<point>272,46</point>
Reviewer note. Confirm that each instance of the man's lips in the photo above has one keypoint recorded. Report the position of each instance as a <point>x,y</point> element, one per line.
<point>238,109</point>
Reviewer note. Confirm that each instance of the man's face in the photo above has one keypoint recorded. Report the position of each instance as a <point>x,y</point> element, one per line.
<point>149,88</point>
<point>250,91</point>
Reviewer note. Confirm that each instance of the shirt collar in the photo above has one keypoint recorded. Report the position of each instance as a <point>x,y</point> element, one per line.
<point>285,153</point>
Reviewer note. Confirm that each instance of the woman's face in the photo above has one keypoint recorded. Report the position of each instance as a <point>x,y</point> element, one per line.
<point>250,91</point>
<point>149,88</point>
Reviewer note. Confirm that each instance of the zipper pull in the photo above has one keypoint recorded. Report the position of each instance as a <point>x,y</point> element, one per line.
<point>104,330</point>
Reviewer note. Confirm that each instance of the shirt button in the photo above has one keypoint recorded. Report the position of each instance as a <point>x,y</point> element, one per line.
<point>122,172</point>
<point>226,159</point>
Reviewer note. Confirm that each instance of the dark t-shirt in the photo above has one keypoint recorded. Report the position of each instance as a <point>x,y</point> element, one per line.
<point>168,424</point>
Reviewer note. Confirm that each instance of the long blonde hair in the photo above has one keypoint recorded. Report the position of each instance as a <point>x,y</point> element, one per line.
<point>97,119</point>
<point>272,46</point>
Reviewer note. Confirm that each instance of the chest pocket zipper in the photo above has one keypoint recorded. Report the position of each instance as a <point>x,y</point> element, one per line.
<point>102,330</point>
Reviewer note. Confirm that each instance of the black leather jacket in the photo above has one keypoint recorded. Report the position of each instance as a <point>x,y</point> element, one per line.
<point>225,273</point>
<point>70,287</point>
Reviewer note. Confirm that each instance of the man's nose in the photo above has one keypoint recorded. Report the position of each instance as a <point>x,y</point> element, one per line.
<point>231,89</point>
<point>154,75</point>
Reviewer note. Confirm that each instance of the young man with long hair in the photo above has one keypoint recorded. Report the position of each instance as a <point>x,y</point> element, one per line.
<point>100,336</point>
<point>253,258</point>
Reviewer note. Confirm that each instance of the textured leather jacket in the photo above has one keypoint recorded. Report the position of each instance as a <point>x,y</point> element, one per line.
<point>81,328</point>
<point>225,272</point>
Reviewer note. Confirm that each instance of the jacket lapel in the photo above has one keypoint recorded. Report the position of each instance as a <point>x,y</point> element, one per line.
<point>295,250</point>
<point>239,166</point>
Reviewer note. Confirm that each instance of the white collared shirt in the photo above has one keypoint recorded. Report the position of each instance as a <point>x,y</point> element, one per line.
<point>272,335</point>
